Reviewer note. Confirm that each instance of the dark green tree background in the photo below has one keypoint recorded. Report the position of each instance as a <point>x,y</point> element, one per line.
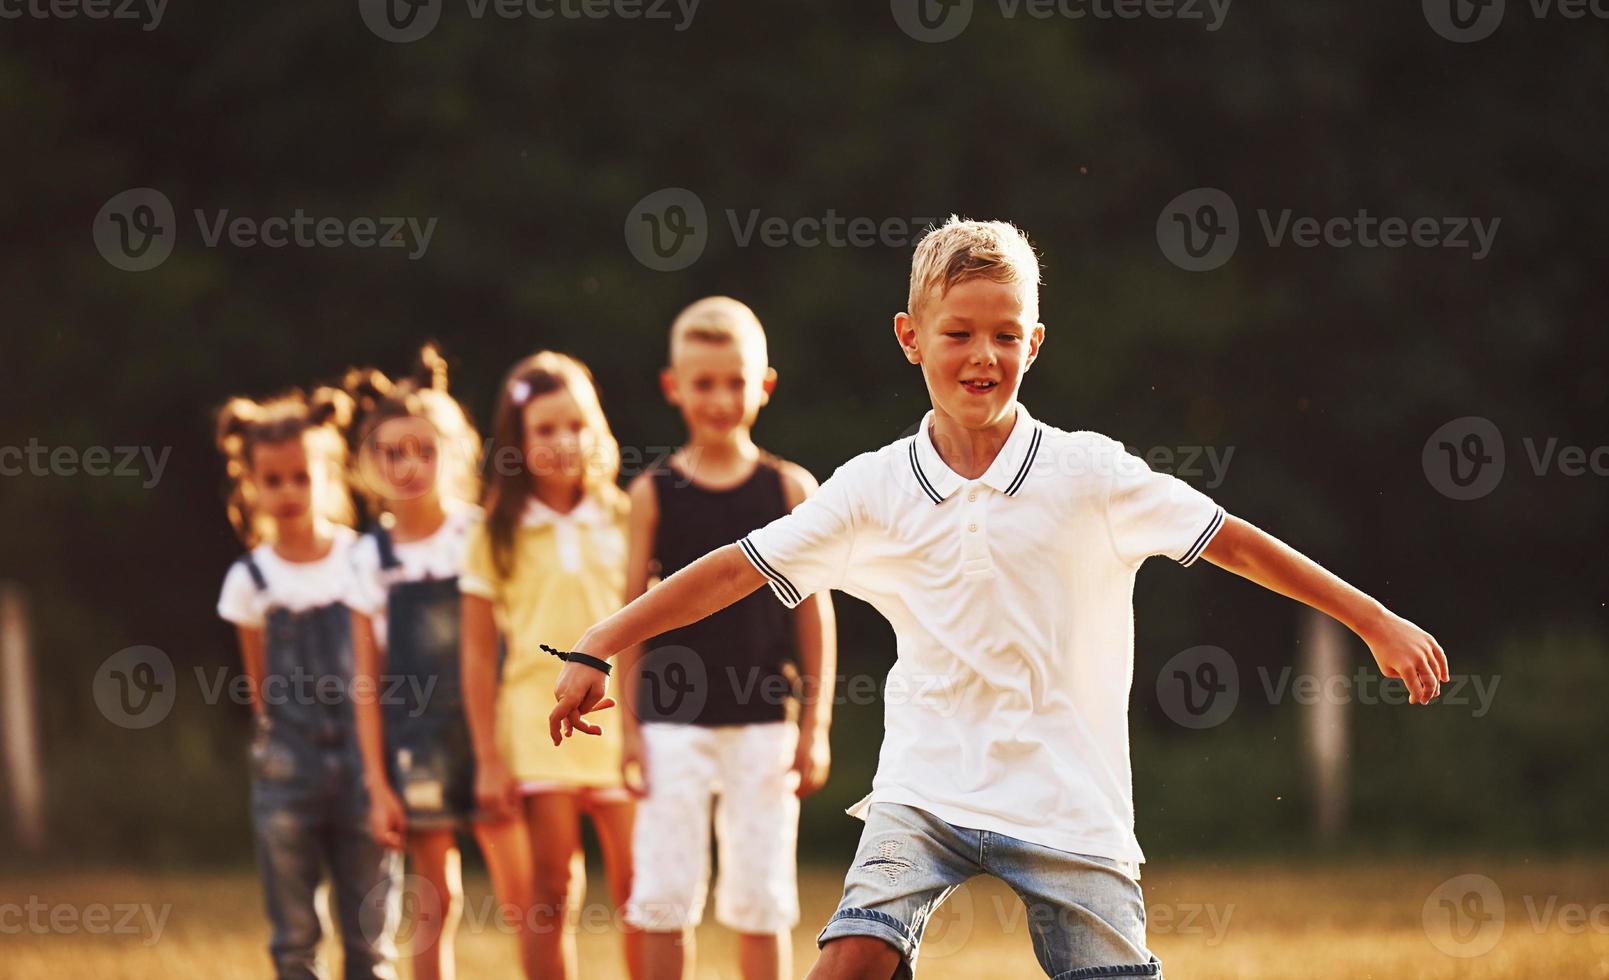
<point>1325,369</point>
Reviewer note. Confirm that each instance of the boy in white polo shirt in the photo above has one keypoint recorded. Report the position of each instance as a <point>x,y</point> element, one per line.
<point>1003,552</point>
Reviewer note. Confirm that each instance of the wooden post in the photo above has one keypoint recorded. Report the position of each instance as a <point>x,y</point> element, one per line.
<point>1324,657</point>
<point>19,727</point>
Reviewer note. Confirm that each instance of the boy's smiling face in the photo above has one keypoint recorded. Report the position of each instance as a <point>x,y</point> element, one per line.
<point>974,344</point>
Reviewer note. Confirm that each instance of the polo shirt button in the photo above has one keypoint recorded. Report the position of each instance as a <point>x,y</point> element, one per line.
<point>972,527</point>
<point>973,495</point>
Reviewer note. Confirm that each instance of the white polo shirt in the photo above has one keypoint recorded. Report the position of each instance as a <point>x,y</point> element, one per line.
<point>1011,598</point>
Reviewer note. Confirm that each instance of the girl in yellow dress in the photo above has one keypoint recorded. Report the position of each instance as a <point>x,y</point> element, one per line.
<point>548,561</point>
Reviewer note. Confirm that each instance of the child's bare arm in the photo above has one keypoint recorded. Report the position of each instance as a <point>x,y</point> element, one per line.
<point>495,789</point>
<point>640,528</point>
<point>712,583</point>
<point>385,818</point>
<point>365,707</point>
<point>1400,648</point>
<point>816,631</point>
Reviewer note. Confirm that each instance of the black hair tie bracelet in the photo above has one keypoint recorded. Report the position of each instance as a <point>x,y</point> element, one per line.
<point>576,656</point>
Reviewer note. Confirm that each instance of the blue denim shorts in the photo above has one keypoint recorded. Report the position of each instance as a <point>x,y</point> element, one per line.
<point>1085,913</point>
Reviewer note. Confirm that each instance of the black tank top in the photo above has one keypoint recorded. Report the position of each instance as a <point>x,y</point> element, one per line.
<point>727,669</point>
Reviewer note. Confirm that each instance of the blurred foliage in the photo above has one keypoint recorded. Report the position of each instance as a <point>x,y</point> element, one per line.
<point>1325,370</point>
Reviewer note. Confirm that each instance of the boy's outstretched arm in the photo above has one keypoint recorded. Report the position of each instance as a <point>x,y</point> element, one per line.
<point>708,585</point>
<point>1399,647</point>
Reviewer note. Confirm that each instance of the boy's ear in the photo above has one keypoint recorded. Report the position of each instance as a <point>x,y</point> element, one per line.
<point>905,334</point>
<point>768,384</point>
<point>1036,339</point>
<point>667,384</point>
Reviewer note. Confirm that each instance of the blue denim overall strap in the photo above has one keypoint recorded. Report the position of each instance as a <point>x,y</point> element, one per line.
<point>385,546</point>
<point>307,668</point>
<point>429,756</point>
<point>255,571</point>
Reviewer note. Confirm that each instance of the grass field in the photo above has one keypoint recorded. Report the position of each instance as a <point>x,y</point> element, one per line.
<point>1246,921</point>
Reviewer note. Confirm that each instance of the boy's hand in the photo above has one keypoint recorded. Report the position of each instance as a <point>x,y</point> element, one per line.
<point>496,792</point>
<point>580,690</point>
<point>634,762</point>
<point>1406,651</point>
<point>387,820</point>
<point>812,759</point>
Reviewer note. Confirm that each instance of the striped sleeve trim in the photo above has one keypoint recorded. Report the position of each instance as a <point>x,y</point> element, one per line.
<point>779,583</point>
<point>1203,538</point>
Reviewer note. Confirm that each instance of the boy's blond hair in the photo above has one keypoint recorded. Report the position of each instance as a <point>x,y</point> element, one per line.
<point>960,250</point>
<point>719,320</point>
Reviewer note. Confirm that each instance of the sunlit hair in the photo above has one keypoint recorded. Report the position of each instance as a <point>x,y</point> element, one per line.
<point>511,482</point>
<point>961,250</point>
<point>719,320</point>
<point>420,395</point>
<point>319,420</point>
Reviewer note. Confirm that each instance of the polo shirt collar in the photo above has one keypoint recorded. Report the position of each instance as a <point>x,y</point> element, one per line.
<point>1006,474</point>
<point>587,512</point>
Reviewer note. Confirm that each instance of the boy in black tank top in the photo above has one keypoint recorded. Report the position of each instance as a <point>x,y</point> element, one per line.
<point>708,726</point>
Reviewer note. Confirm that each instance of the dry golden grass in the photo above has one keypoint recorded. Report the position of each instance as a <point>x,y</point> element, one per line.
<point>1208,922</point>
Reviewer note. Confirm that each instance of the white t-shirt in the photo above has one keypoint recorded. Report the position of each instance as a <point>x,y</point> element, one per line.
<point>1011,599</point>
<point>293,585</point>
<point>439,556</point>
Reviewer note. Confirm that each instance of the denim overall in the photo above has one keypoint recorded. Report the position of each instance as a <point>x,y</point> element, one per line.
<point>308,804</point>
<point>429,757</point>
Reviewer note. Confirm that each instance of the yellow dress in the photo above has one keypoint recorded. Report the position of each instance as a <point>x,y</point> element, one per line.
<point>569,573</point>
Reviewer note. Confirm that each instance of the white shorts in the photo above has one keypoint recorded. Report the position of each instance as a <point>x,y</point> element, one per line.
<point>756,827</point>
